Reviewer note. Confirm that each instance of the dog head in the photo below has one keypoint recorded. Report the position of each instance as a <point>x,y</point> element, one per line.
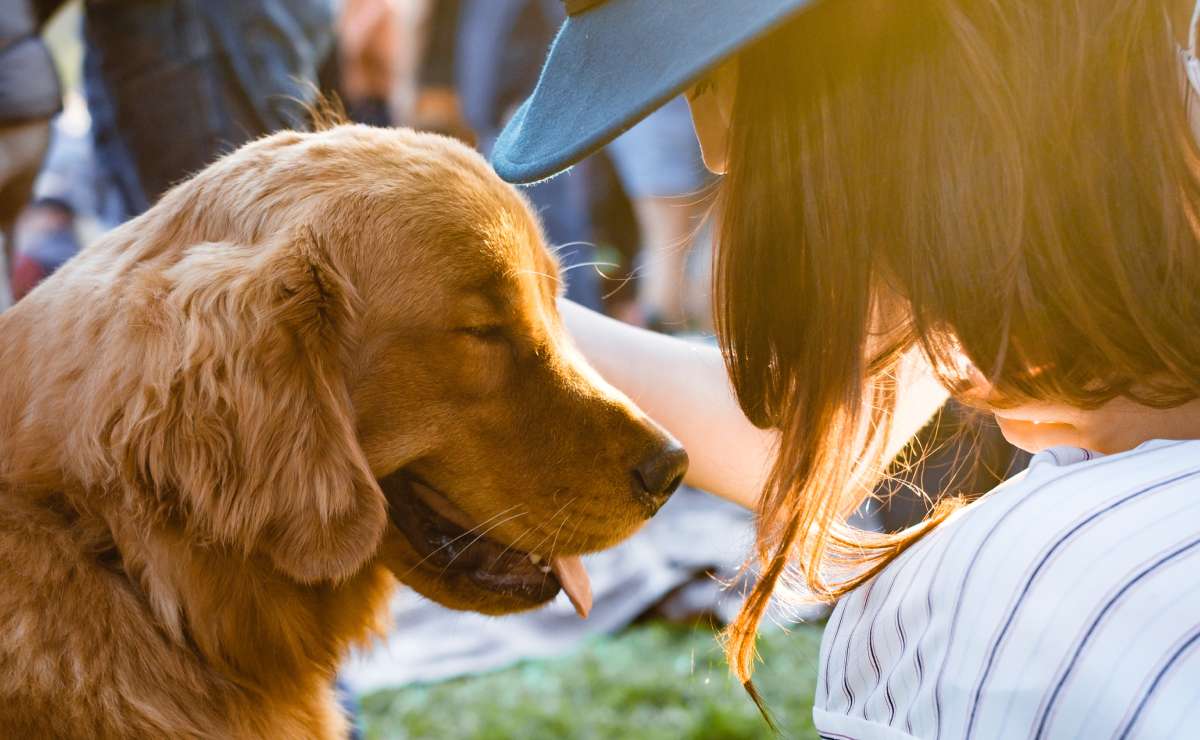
<point>344,347</point>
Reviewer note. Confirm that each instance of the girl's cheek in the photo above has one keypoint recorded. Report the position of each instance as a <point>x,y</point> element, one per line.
<point>1035,437</point>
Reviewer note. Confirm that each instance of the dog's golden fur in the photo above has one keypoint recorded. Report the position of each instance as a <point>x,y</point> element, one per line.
<point>197,411</point>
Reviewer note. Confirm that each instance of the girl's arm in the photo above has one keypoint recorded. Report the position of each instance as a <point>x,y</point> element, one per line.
<point>684,387</point>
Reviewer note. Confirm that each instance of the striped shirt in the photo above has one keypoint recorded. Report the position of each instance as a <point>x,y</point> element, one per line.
<point>1063,604</point>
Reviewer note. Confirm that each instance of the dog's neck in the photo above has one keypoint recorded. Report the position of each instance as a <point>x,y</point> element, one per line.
<point>238,615</point>
<point>235,620</point>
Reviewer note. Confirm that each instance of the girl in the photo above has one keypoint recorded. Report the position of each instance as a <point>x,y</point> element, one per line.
<point>1006,194</point>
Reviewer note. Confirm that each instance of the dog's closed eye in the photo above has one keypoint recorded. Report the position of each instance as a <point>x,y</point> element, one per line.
<point>486,332</point>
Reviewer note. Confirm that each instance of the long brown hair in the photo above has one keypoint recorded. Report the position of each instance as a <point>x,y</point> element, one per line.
<point>1009,182</point>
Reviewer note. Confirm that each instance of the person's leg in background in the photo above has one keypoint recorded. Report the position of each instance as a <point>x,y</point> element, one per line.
<point>22,147</point>
<point>668,227</point>
<point>46,238</point>
<point>565,208</point>
<point>437,101</point>
<point>659,163</point>
<point>30,95</point>
<point>368,61</point>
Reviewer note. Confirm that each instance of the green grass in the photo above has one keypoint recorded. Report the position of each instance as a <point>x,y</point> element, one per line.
<point>652,682</point>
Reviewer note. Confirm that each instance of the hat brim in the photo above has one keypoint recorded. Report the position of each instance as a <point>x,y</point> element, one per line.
<point>613,65</point>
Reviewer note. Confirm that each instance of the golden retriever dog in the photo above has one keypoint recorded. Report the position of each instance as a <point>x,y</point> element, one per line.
<point>326,363</point>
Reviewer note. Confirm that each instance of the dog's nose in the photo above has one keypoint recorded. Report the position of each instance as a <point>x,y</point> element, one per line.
<point>657,477</point>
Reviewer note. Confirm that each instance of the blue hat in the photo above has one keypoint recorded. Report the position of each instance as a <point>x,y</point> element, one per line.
<point>613,63</point>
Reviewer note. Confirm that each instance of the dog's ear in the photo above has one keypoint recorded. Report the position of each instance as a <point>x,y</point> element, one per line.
<point>244,423</point>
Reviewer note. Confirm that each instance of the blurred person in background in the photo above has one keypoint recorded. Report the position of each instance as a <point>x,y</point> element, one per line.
<point>173,85</point>
<point>170,87</point>
<point>72,203</point>
<point>659,165</point>
<point>437,106</point>
<point>498,52</point>
<point>30,95</point>
<point>379,49</point>
<point>46,238</point>
<point>368,36</point>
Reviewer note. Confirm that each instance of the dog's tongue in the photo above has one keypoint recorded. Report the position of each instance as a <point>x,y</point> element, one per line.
<point>574,579</point>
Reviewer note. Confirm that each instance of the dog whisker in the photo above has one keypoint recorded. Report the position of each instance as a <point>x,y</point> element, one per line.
<point>551,518</point>
<point>577,243</point>
<point>575,529</point>
<point>547,534</point>
<point>536,273</point>
<point>558,531</point>
<point>634,273</point>
<point>566,516</point>
<point>480,536</point>
<point>541,542</point>
<point>623,281</point>
<point>467,533</point>
<point>563,523</point>
<point>554,515</point>
<point>581,265</point>
<point>514,543</point>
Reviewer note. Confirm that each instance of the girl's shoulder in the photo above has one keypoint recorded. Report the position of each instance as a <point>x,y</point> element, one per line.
<point>1066,487</point>
<point>1058,604</point>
